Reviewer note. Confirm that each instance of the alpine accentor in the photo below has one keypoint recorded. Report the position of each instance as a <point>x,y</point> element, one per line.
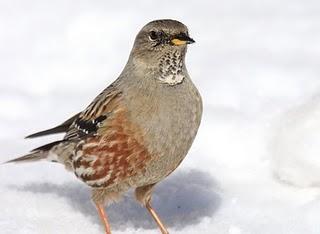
<point>139,129</point>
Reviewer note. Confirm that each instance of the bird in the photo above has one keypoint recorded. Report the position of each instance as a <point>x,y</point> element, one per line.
<point>138,130</point>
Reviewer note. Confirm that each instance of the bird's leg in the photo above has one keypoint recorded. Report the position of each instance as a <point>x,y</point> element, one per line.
<point>156,218</point>
<point>143,195</point>
<point>104,218</point>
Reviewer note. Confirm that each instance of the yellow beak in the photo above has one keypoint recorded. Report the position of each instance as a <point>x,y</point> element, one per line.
<point>178,42</point>
<point>181,39</point>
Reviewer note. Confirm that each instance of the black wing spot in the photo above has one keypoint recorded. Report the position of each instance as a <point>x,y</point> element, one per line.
<point>88,127</point>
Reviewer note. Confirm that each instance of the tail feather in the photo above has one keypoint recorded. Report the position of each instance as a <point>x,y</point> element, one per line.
<point>32,157</point>
<point>37,154</point>
<point>48,146</point>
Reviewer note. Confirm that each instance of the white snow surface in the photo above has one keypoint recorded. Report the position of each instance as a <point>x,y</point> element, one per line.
<point>255,165</point>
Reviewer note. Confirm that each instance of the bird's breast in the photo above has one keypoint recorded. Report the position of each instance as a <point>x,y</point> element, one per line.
<point>169,118</point>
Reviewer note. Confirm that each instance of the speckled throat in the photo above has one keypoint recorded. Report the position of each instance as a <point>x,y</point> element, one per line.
<point>171,68</point>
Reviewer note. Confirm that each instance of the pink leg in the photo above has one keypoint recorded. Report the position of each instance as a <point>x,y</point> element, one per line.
<point>143,195</point>
<point>104,218</point>
<point>156,218</point>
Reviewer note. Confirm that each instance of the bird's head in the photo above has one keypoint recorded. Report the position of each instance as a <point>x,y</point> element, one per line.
<point>161,37</point>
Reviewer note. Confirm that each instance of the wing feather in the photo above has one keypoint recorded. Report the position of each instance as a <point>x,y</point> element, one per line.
<point>91,119</point>
<point>64,127</point>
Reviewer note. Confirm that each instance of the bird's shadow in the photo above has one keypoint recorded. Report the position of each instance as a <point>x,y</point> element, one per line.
<point>181,200</point>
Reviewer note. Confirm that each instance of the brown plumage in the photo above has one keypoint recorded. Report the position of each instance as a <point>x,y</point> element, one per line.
<point>139,129</point>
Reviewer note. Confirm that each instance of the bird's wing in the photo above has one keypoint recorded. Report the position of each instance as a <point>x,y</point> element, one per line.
<point>110,147</point>
<point>83,123</point>
<point>64,127</point>
<point>90,122</point>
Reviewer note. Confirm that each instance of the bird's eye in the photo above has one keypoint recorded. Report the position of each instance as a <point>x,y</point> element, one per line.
<point>153,35</point>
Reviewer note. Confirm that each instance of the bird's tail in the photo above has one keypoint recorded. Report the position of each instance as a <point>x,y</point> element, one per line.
<point>31,157</point>
<point>37,154</point>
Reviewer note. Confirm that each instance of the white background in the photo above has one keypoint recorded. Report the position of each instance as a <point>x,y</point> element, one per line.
<point>255,165</point>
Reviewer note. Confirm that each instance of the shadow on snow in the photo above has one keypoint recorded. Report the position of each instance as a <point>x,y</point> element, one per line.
<point>182,199</point>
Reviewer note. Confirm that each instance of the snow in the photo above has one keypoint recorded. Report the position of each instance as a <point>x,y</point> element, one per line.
<point>254,167</point>
<point>296,145</point>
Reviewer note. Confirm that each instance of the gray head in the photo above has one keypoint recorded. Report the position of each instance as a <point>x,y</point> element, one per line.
<point>160,47</point>
<point>159,37</point>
